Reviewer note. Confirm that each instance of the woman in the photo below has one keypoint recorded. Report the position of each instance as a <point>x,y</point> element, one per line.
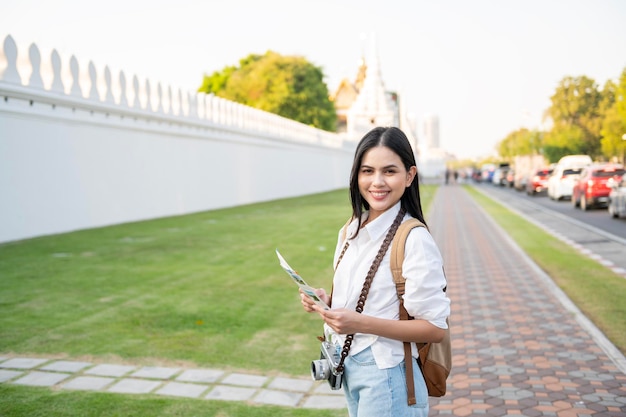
<point>384,191</point>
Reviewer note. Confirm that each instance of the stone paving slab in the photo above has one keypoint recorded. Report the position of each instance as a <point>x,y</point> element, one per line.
<point>274,397</point>
<point>110,370</point>
<point>41,379</point>
<point>245,380</point>
<point>182,389</point>
<point>191,383</point>
<point>230,393</point>
<point>200,375</point>
<point>155,372</point>
<point>88,383</point>
<point>8,375</point>
<point>291,384</point>
<point>66,366</point>
<point>23,363</point>
<point>134,386</point>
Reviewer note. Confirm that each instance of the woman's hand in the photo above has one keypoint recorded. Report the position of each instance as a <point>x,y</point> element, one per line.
<point>308,304</point>
<point>342,321</point>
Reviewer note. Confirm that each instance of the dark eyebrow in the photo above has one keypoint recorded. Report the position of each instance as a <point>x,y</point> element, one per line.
<point>385,167</point>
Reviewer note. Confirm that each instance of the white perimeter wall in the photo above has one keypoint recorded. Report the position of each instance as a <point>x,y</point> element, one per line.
<point>63,170</point>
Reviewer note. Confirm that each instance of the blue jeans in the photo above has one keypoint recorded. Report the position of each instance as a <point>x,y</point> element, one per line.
<point>373,392</point>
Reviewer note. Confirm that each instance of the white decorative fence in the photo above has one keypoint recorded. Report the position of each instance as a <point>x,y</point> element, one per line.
<point>82,149</point>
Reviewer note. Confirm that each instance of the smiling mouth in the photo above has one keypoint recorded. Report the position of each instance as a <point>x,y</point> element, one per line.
<point>379,194</point>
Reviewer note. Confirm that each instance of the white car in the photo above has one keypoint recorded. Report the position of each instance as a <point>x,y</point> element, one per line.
<point>575,161</point>
<point>562,181</point>
<point>617,197</point>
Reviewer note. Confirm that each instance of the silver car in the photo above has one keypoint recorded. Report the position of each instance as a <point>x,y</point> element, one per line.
<point>617,197</point>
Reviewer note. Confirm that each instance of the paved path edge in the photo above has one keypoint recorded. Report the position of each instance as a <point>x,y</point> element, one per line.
<point>598,336</point>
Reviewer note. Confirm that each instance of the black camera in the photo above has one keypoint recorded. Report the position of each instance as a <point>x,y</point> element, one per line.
<point>326,366</point>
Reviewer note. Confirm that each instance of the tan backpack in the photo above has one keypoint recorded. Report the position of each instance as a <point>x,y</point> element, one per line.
<point>435,359</point>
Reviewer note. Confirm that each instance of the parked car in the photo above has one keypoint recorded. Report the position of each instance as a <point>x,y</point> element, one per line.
<point>499,176</point>
<point>575,161</point>
<point>617,197</point>
<point>561,181</point>
<point>591,189</point>
<point>520,182</point>
<point>538,183</point>
<point>510,178</point>
<point>486,172</point>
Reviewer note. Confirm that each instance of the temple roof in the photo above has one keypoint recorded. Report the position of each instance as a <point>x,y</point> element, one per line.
<point>374,106</point>
<point>373,98</point>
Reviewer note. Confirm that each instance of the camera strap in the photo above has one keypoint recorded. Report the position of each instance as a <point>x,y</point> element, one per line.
<point>368,279</point>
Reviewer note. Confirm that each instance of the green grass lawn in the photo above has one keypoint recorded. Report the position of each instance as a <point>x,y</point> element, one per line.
<point>16,401</point>
<point>206,290</point>
<point>201,290</point>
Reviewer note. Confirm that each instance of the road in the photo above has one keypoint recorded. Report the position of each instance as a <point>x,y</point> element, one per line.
<point>593,232</point>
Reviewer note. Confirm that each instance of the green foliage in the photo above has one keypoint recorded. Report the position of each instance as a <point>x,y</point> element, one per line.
<point>289,86</point>
<point>613,128</point>
<point>521,142</point>
<point>575,108</point>
<point>586,120</point>
<point>620,96</point>
<point>614,123</point>
<point>216,82</point>
<point>563,140</point>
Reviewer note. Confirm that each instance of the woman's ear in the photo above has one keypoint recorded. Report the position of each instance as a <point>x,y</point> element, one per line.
<point>410,176</point>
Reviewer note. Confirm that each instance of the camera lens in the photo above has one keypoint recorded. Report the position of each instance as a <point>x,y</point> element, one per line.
<point>320,369</point>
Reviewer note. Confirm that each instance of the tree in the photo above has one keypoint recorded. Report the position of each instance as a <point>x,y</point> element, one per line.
<point>521,142</point>
<point>216,82</point>
<point>614,122</point>
<point>575,110</point>
<point>563,140</point>
<point>289,86</point>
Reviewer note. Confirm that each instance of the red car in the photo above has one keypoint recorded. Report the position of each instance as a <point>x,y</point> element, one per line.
<point>591,190</point>
<point>538,182</point>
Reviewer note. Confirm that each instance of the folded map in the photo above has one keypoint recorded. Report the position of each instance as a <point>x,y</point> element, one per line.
<point>308,290</point>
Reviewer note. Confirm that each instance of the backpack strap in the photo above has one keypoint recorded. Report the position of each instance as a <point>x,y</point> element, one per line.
<point>397,252</point>
<point>396,260</point>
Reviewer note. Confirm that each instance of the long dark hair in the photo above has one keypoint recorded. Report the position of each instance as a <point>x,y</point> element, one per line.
<point>394,139</point>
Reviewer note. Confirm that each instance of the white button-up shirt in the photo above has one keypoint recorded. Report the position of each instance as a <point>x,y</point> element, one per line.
<point>424,297</point>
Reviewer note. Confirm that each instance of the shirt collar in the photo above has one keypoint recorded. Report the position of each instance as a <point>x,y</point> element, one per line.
<point>382,223</point>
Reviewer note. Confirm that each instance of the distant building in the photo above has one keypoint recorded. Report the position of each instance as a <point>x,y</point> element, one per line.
<point>431,131</point>
<point>365,103</point>
<point>432,158</point>
<point>345,95</point>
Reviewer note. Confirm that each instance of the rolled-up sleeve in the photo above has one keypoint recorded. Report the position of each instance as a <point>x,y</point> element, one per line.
<point>424,297</point>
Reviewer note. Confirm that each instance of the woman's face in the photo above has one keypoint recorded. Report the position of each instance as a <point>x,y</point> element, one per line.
<point>383,179</point>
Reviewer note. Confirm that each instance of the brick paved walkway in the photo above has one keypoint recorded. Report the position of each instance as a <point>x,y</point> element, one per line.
<point>517,350</point>
<point>520,348</point>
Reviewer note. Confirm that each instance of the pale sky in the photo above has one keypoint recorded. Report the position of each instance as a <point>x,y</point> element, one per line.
<point>484,67</point>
